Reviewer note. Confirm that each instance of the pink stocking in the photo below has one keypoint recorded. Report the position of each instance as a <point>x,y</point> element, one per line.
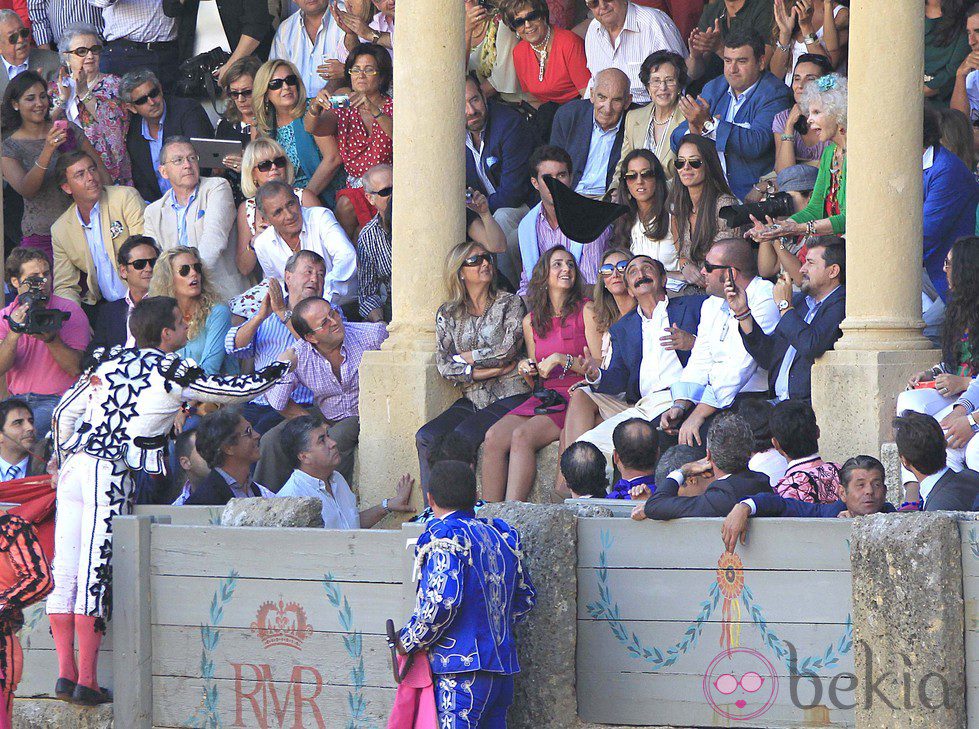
<point>63,630</point>
<point>89,640</point>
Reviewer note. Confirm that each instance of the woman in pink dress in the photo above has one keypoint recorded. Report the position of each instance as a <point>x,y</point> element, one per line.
<point>554,331</point>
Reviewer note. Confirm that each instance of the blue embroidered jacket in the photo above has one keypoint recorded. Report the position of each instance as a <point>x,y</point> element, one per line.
<point>473,588</point>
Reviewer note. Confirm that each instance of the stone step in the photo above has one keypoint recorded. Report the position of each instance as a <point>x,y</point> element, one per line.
<point>54,714</point>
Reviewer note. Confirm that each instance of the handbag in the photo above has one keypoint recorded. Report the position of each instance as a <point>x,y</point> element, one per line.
<point>195,76</point>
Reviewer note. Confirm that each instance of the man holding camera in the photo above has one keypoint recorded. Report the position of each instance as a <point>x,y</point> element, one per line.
<point>39,367</point>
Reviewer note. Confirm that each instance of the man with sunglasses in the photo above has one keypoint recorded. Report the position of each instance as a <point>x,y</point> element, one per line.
<point>720,371</point>
<point>374,248</point>
<point>17,53</point>
<point>199,213</point>
<point>154,118</point>
<point>136,259</point>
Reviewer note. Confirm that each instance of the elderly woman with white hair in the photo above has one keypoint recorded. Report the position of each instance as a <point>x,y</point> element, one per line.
<point>825,98</point>
<point>90,98</point>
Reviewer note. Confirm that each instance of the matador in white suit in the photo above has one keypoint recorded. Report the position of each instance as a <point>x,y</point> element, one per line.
<point>117,419</point>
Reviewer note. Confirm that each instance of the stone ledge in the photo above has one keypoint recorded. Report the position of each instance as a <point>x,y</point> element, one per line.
<point>54,714</point>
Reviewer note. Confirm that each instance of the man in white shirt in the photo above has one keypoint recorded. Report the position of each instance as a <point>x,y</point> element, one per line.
<point>196,212</point>
<point>316,457</point>
<point>720,370</point>
<point>293,227</point>
<point>17,441</point>
<point>312,40</point>
<point>623,34</point>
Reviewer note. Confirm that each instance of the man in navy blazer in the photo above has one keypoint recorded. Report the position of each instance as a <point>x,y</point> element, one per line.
<point>736,111</point>
<point>921,448</point>
<point>650,346</point>
<point>862,478</point>
<point>809,322</point>
<point>166,116</point>
<point>591,131</point>
<point>136,259</point>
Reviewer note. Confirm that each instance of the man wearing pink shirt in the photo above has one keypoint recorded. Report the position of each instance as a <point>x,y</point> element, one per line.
<point>39,369</point>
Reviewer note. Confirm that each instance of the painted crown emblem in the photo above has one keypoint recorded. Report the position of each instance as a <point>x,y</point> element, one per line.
<point>281,624</point>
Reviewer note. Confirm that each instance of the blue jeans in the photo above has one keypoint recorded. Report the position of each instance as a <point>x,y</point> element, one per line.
<point>42,406</point>
<point>475,700</point>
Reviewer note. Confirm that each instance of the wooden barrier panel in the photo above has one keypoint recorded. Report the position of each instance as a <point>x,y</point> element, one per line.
<point>187,515</point>
<point>673,631</point>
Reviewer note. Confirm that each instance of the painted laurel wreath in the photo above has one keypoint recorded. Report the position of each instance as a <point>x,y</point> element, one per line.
<point>353,642</point>
<point>206,716</point>
<point>728,586</point>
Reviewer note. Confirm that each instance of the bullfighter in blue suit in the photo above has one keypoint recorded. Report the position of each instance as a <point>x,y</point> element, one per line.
<point>473,588</point>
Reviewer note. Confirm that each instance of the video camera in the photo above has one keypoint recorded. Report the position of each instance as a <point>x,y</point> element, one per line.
<point>776,206</point>
<point>39,320</point>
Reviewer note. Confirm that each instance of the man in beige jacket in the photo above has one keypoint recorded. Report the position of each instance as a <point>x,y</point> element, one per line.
<point>87,237</point>
<point>197,212</point>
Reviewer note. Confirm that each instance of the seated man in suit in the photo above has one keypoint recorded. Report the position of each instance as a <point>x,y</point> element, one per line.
<point>155,117</point>
<point>862,493</point>
<point>729,444</point>
<point>498,144</point>
<point>720,371</point>
<point>737,111</point>
<point>196,212</point>
<point>87,237</point>
<point>921,448</point>
<point>192,470</point>
<point>650,346</point>
<point>20,452</point>
<point>18,54</point>
<point>539,231</point>
<point>229,446</point>
<point>315,458</point>
<point>592,130</point>
<point>136,259</point>
<point>809,322</point>
<point>583,468</point>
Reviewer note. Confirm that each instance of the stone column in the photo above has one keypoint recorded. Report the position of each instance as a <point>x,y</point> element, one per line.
<point>400,389</point>
<point>854,387</point>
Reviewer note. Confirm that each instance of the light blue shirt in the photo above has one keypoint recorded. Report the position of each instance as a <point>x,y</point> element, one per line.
<point>782,379</point>
<point>928,483</point>
<point>156,146</point>
<point>595,174</point>
<point>293,42</point>
<point>10,471</point>
<point>110,285</point>
<point>339,507</point>
<point>181,212</point>
<point>737,102</point>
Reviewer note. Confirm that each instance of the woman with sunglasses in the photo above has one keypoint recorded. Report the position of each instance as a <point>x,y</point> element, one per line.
<point>646,229</point>
<point>90,99</point>
<point>554,331</point>
<point>31,147</point>
<point>179,273</point>
<point>479,334</point>
<point>280,103</point>
<point>362,130</point>
<point>549,61</point>
<point>238,122</point>
<point>699,191</point>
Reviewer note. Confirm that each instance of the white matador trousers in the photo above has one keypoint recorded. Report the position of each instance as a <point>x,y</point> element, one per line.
<point>90,492</point>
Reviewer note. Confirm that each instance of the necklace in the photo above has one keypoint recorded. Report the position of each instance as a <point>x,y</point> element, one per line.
<point>541,52</point>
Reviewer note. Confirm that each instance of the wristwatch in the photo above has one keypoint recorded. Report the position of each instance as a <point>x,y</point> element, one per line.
<point>783,304</point>
<point>286,316</point>
<point>810,39</point>
<point>384,505</point>
<point>971,417</point>
<point>375,36</point>
<point>709,126</point>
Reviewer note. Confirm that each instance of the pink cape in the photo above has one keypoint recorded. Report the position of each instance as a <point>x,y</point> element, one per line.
<point>414,702</point>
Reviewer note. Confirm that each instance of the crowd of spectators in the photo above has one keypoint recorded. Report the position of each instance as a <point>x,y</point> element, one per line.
<point>668,355</point>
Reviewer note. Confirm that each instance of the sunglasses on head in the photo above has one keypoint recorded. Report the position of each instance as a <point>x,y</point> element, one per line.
<point>530,17</point>
<point>184,270</point>
<point>277,83</point>
<point>243,94</point>
<point>140,263</point>
<point>607,269</point>
<point>19,35</point>
<point>384,191</point>
<point>711,267</point>
<point>82,51</point>
<point>477,260</point>
<point>644,174</point>
<point>268,164</point>
<point>155,93</point>
<point>695,164</point>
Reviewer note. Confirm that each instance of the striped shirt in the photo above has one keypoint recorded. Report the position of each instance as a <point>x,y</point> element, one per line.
<point>336,398</point>
<point>271,339</point>
<point>374,266</point>
<point>292,43</point>
<point>645,30</point>
<point>49,18</point>
<point>139,21</point>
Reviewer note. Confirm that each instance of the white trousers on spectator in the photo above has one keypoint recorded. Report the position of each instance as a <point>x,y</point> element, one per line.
<point>649,407</point>
<point>90,492</point>
<point>509,262</point>
<point>931,402</point>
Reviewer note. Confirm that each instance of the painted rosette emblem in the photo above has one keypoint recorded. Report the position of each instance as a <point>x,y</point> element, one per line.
<point>730,576</point>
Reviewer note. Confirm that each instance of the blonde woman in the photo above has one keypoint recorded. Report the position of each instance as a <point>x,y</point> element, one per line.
<point>280,102</point>
<point>480,337</point>
<point>180,273</point>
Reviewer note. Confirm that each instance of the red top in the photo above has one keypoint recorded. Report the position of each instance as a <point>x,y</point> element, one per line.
<point>566,73</point>
<point>361,151</point>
